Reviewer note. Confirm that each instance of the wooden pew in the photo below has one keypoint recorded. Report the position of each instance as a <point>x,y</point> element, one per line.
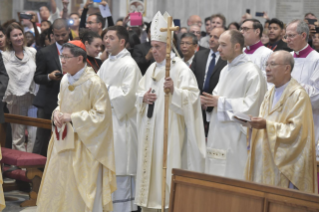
<point>197,192</point>
<point>33,162</point>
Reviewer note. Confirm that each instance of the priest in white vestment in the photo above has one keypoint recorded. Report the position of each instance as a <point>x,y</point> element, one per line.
<point>186,138</point>
<point>121,76</point>
<point>282,144</point>
<point>252,31</point>
<point>240,90</point>
<point>306,70</point>
<point>80,170</point>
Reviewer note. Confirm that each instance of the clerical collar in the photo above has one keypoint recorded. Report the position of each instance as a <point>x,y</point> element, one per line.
<point>278,92</point>
<point>119,55</point>
<point>281,88</point>
<point>303,53</point>
<point>161,64</point>
<point>59,47</point>
<point>76,76</point>
<point>242,58</point>
<point>251,49</point>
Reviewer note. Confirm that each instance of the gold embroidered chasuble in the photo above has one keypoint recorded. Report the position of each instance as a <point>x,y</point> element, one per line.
<point>70,178</point>
<point>285,151</point>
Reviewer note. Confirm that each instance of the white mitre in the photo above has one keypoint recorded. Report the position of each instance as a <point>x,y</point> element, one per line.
<point>159,21</point>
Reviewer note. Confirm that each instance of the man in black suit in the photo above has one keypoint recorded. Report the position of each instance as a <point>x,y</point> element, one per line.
<point>207,66</point>
<point>276,31</point>
<point>48,75</point>
<point>3,87</point>
<point>142,53</point>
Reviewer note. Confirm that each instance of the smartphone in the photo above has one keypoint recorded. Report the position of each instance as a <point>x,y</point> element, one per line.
<point>70,22</point>
<point>58,74</point>
<point>248,11</point>
<point>136,19</point>
<point>98,1</point>
<point>259,14</point>
<point>25,16</point>
<point>311,21</point>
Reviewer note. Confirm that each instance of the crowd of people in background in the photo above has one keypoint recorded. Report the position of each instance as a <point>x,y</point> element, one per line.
<point>32,56</point>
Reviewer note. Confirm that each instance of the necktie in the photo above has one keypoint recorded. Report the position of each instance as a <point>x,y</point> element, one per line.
<point>209,73</point>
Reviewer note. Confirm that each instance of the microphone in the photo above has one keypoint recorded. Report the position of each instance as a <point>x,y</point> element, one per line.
<point>150,108</point>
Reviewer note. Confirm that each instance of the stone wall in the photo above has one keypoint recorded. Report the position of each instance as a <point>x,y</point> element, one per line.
<point>5,10</point>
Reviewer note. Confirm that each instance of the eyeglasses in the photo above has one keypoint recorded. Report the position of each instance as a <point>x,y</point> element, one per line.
<point>64,57</point>
<point>290,36</point>
<point>195,32</point>
<point>186,43</point>
<point>90,23</point>
<point>245,29</point>
<point>272,65</point>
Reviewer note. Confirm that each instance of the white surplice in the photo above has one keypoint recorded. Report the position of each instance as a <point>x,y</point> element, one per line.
<point>259,55</point>
<point>121,76</point>
<point>306,72</point>
<point>186,138</point>
<point>241,88</point>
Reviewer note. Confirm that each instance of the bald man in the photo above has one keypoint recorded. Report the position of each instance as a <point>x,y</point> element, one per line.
<point>282,145</point>
<point>194,19</point>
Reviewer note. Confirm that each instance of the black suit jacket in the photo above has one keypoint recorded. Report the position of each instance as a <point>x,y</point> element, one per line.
<point>3,86</point>
<point>199,67</point>
<point>139,53</point>
<point>47,60</point>
<point>281,45</point>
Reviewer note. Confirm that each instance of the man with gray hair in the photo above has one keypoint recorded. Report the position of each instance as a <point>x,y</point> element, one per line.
<point>306,69</point>
<point>282,140</point>
<point>188,47</point>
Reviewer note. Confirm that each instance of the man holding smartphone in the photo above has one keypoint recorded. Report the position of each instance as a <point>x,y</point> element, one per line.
<point>48,75</point>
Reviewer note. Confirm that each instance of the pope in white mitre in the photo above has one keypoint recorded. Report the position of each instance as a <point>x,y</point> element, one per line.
<point>80,169</point>
<point>186,139</point>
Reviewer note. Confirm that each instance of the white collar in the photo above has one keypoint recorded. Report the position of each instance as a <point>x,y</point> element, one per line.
<point>297,53</point>
<point>59,47</point>
<point>211,52</point>
<point>76,76</point>
<point>119,55</point>
<point>281,88</point>
<point>159,65</point>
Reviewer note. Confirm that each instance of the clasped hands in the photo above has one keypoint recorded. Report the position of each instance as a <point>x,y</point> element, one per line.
<point>60,118</point>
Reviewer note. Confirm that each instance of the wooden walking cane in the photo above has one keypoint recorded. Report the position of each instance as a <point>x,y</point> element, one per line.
<point>169,30</point>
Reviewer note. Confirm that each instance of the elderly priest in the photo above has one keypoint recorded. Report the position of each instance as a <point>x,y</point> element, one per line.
<point>282,145</point>
<point>80,169</point>
<point>186,139</point>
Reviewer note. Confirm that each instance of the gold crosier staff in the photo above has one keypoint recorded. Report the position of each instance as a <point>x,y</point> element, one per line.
<point>169,30</point>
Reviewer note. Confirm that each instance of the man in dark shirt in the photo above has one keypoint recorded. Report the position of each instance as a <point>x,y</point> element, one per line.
<point>276,31</point>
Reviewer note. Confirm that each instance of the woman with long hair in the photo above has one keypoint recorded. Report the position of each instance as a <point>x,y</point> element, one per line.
<point>19,61</point>
<point>92,42</point>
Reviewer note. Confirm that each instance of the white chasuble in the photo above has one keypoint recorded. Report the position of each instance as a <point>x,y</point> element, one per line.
<point>121,75</point>
<point>306,72</point>
<point>71,172</point>
<point>186,138</point>
<point>241,89</point>
<point>284,152</point>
